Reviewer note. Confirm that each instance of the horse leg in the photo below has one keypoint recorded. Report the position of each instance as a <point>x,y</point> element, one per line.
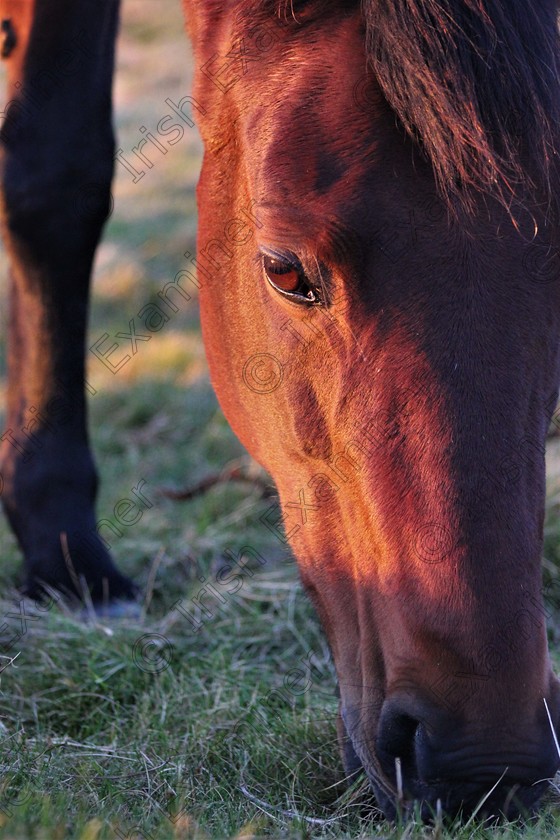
<point>56,163</point>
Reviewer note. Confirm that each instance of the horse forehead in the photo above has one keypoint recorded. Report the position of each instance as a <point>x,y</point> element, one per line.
<point>306,111</point>
<point>315,141</point>
<point>302,72</point>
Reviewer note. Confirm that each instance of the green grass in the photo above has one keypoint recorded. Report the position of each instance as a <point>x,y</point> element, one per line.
<point>146,727</point>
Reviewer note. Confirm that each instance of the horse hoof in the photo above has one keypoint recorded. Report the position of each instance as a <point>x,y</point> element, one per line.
<point>130,610</point>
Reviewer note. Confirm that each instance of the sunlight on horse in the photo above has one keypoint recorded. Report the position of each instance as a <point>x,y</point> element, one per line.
<point>378,272</point>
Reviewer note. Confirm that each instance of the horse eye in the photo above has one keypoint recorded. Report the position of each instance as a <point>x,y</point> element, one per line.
<point>284,276</point>
<point>289,279</point>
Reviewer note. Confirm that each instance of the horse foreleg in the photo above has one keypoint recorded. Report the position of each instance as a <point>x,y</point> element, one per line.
<point>56,163</point>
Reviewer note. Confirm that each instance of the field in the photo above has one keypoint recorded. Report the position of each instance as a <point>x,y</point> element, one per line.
<point>180,724</point>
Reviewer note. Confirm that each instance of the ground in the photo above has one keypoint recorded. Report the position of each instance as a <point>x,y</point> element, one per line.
<point>180,723</point>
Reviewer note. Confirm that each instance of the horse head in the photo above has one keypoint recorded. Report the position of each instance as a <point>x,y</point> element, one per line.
<point>379,267</point>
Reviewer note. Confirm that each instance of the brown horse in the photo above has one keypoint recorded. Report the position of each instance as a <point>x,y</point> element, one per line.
<point>378,270</point>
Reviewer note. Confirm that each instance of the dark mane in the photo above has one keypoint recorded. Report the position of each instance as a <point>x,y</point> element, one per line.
<point>476,82</point>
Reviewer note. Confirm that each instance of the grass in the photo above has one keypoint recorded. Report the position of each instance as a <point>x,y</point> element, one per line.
<point>178,725</point>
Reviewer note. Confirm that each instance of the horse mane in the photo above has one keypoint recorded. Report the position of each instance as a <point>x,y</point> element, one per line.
<point>476,83</point>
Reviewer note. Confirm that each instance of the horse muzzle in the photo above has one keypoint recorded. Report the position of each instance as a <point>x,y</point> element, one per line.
<point>424,759</point>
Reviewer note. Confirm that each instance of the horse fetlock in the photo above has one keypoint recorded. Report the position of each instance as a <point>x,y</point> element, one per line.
<point>74,564</point>
<point>42,464</point>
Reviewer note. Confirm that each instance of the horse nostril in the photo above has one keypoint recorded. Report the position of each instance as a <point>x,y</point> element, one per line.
<point>396,736</point>
<point>400,735</point>
<point>439,764</point>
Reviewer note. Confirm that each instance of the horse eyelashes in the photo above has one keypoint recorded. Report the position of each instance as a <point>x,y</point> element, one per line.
<point>289,278</point>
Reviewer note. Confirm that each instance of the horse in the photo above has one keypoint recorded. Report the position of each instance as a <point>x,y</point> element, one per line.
<point>378,274</point>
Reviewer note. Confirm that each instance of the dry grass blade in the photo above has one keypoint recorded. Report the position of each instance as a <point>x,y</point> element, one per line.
<point>260,803</point>
<point>438,825</point>
<point>156,563</point>
<point>400,791</point>
<point>551,726</point>
<point>484,799</point>
<point>233,472</point>
<point>11,660</point>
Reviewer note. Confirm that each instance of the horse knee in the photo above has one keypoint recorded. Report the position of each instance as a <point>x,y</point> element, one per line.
<point>55,180</point>
<point>63,206</point>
